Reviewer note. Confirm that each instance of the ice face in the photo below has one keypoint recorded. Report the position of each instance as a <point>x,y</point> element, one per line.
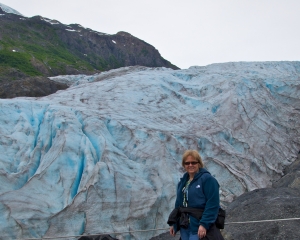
<point>9,9</point>
<point>105,154</point>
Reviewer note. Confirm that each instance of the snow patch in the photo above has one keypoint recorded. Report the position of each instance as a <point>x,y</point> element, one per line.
<point>51,21</point>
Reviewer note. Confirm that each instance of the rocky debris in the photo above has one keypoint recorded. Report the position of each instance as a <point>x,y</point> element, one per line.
<point>292,176</point>
<point>30,87</point>
<point>101,237</point>
<point>163,236</point>
<point>280,202</point>
<point>166,236</point>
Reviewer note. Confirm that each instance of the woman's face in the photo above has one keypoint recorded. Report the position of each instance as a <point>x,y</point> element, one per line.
<point>191,165</point>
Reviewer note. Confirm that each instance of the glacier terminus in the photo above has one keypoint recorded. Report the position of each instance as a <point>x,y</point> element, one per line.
<point>104,155</point>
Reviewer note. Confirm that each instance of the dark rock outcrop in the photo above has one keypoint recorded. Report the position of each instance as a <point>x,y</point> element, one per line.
<point>30,87</point>
<point>280,202</point>
<point>292,176</point>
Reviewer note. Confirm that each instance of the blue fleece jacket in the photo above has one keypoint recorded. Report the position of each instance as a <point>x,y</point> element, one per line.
<point>203,192</point>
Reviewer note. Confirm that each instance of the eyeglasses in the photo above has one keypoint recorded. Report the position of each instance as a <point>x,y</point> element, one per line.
<point>188,163</point>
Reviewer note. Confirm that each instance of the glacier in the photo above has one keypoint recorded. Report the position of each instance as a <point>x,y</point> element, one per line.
<point>8,9</point>
<point>105,155</point>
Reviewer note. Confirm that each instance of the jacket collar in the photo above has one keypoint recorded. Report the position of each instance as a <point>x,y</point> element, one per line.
<point>198,175</point>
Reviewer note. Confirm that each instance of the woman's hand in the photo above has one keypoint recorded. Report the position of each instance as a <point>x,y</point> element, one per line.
<point>201,232</point>
<point>172,231</point>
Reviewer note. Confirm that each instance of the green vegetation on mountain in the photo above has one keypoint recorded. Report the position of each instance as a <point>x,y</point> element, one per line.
<point>36,51</point>
<point>20,61</point>
<point>40,47</point>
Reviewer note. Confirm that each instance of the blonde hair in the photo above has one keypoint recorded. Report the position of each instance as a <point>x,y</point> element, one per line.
<point>194,154</point>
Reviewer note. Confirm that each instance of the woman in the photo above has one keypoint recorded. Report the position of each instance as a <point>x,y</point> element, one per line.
<point>197,200</point>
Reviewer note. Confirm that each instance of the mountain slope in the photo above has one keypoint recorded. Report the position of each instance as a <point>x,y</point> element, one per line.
<point>39,46</point>
<point>104,155</point>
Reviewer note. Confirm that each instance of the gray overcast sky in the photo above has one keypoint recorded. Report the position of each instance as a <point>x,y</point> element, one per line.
<point>190,32</point>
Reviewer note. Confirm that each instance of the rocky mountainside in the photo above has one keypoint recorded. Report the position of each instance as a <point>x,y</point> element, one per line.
<point>39,46</point>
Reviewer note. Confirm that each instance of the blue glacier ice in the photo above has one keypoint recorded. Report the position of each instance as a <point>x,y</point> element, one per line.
<point>105,154</point>
<point>8,9</point>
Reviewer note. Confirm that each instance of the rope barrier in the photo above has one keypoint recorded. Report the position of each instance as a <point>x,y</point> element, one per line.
<point>269,220</point>
<point>156,229</point>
